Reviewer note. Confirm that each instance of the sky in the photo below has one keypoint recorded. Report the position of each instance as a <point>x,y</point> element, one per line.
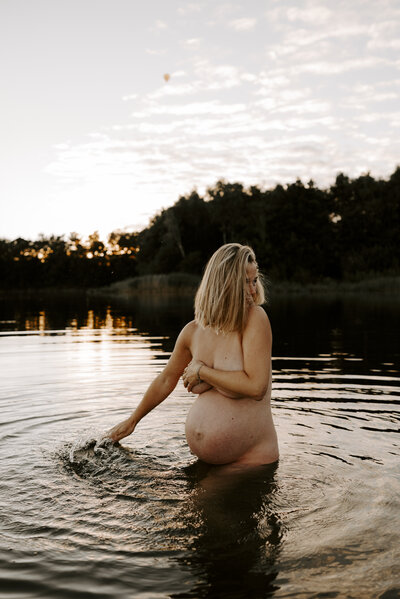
<point>92,137</point>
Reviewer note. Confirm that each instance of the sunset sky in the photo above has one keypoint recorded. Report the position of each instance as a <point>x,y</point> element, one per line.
<point>261,92</point>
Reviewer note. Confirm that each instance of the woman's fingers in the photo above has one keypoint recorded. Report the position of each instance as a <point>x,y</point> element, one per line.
<point>189,376</point>
<point>115,435</point>
<point>188,386</point>
<point>120,431</point>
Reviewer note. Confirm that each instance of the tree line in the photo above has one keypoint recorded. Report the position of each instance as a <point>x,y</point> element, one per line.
<point>298,231</point>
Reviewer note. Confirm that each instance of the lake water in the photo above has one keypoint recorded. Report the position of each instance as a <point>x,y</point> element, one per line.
<point>144,520</point>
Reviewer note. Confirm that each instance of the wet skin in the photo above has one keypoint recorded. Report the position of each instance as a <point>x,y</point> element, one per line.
<point>230,422</point>
<point>222,428</point>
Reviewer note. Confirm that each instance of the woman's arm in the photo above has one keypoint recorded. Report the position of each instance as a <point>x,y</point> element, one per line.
<point>253,380</point>
<point>161,387</point>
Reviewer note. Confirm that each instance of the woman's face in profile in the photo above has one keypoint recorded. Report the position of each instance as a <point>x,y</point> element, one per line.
<point>251,282</point>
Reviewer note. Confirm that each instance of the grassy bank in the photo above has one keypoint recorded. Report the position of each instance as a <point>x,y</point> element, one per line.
<point>185,285</point>
<point>173,284</point>
<point>43,292</point>
<point>378,285</point>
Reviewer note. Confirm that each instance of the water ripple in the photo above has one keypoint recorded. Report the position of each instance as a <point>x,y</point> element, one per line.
<point>82,517</point>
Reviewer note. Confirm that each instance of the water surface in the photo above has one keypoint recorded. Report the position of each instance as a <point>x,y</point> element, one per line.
<point>144,519</point>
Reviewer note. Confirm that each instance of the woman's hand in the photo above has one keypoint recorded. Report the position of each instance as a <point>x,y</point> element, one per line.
<point>190,375</point>
<point>121,430</point>
<point>200,388</point>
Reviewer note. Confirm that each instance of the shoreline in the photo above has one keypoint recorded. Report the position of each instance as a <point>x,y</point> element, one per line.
<point>383,285</point>
<point>185,285</point>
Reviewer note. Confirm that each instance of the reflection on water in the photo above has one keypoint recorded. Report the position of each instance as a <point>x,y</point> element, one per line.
<point>219,523</point>
<point>64,313</point>
<point>362,329</point>
<point>238,539</point>
<point>82,518</point>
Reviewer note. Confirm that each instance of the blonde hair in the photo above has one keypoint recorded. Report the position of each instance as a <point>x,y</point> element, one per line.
<point>220,301</point>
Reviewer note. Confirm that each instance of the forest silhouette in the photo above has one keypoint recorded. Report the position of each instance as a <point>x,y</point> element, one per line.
<point>299,232</point>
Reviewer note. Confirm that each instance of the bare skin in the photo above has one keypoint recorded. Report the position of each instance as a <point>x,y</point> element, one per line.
<point>230,421</point>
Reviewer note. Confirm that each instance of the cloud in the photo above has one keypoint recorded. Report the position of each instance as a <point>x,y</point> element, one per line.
<point>160,25</point>
<point>391,44</point>
<point>213,107</point>
<point>244,24</point>
<point>318,97</point>
<point>193,42</point>
<point>316,15</point>
<point>219,77</point>
<point>206,78</point>
<point>130,97</point>
<point>155,52</point>
<point>282,131</point>
<point>320,40</point>
<point>183,89</point>
<point>334,68</point>
<point>190,8</point>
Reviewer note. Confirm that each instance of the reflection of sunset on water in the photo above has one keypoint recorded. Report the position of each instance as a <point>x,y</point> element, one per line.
<point>71,368</point>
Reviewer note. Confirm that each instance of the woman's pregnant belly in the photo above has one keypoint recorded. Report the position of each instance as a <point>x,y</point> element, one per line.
<point>220,430</point>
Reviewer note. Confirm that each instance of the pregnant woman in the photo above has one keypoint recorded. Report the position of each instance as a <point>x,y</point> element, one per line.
<point>224,357</point>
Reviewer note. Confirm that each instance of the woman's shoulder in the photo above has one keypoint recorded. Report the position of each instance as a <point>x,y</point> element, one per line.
<point>258,318</point>
<point>186,335</point>
<point>189,330</point>
<point>258,313</point>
